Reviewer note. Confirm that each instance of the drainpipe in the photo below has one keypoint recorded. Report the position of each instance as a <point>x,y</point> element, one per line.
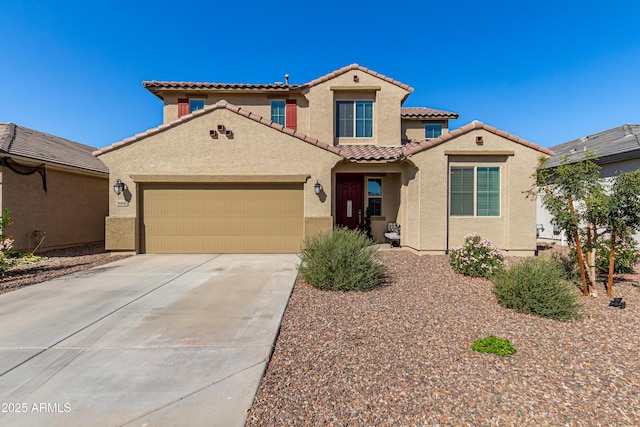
<point>448,206</point>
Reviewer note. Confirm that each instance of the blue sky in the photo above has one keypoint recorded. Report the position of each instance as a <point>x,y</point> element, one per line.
<point>546,71</point>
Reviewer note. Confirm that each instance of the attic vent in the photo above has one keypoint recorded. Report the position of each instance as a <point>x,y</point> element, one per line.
<point>584,138</point>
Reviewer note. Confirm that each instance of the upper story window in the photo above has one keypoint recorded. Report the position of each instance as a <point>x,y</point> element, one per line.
<point>283,112</point>
<point>432,131</point>
<point>196,104</point>
<point>188,105</point>
<point>475,191</point>
<point>354,119</point>
<point>277,111</point>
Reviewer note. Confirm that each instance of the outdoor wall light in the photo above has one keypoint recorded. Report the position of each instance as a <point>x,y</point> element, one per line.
<point>118,187</point>
<point>617,302</point>
<point>317,187</point>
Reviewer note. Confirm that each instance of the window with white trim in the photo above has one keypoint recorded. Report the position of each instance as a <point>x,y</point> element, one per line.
<point>474,191</point>
<point>354,119</point>
<point>195,104</point>
<point>432,131</point>
<point>278,111</point>
<point>374,196</point>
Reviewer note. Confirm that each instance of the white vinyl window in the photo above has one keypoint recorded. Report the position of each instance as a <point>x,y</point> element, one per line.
<point>354,119</point>
<point>374,196</point>
<point>432,131</point>
<point>196,104</point>
<point>278,107</point>
<point>474,191</point>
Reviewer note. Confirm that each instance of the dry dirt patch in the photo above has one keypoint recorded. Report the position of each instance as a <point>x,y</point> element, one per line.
<point>401,355</point>
<point>59,262</point>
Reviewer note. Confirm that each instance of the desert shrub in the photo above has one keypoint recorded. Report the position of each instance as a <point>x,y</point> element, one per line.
<point>477,257</point>
<point>568,263</point>
<point>340,260</point>
<point>495,345</point>
<point>626,251</point>
<point>538,286</point>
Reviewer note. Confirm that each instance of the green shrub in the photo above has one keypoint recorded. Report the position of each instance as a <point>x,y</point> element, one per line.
<point>627,255</point>
<point>568,263</point>
<point>6,242</point>
<point>340,260</point>
<point>538,286</point>
<point>492,344</point>
<point>477,257</point>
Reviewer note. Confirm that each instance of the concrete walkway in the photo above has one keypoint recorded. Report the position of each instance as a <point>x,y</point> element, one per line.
<point>151,340</point>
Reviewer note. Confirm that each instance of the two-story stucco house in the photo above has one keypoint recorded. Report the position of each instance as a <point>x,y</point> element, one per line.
<point>259,167</point>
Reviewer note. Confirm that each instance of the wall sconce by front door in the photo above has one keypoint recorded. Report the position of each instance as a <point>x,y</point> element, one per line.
<point>118,187</point>
<point>317,187</point>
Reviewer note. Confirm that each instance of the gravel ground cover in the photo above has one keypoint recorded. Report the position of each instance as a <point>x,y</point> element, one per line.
<point>401,355</point>
<point>59,262</point>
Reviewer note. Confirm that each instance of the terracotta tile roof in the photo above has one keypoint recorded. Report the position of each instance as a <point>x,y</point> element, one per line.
<point>613,145</point>
<point>371,152</point>
<point>359,68</point>
<point>421,113</point>
<point>154,85</point>
<point>43,147</point>
<point>417,147</point>
<point>210,108</point>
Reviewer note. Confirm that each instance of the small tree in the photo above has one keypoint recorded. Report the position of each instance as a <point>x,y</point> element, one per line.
<point>568,193</point>
<point>580,202</point>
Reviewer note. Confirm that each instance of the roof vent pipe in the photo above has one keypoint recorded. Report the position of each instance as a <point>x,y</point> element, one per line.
<point>286,79</point>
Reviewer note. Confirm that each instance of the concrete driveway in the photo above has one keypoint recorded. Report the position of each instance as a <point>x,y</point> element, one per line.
<point>151,340</point>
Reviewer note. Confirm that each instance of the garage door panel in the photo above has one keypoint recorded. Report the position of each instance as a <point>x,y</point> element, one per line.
<point>236,218</point>
<point>230,226</point>
<point>224,244</point>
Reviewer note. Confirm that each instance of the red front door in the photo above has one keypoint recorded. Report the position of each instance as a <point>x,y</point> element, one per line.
<point>350,200</point>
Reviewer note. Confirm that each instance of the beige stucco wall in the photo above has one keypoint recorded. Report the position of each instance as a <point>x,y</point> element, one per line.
<point>513,230</point>
<point>414,129</point>
<point>386,111</point>
<point>188,149</point>
<point>256,103</point>
<point>71,212</point>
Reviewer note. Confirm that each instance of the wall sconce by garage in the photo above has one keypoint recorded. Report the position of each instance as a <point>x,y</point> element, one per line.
<point>213,133</point>
<point>317,187</point>
<point>119,187</point>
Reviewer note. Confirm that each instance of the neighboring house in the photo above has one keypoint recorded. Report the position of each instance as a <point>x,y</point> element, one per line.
<point>53,187</point>
<point>617,150</point>
<point>260,167</point>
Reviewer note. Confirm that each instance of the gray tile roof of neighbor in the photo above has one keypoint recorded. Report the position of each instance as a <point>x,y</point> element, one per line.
<point>43,147</point>
<point>613,145</point>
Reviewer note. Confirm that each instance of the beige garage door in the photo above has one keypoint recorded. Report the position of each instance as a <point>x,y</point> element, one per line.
<point>222,218</point>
